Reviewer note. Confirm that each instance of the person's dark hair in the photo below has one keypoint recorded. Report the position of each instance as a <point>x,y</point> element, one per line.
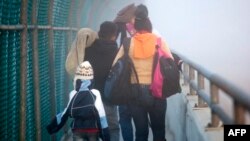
<point>142,21</point>
<point>107,30</point>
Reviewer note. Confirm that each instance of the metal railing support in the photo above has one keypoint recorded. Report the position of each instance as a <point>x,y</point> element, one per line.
<point>192,77</point>
<point>214,101</point>
<point>241,98</point>
<point>37,107</point>
<point>67,77</point>
<point>39,27</point>
<point>11,27</point>
<point>201,86</point>
<point>185,71</point>
<point>23,71</point>
<point>51,63</point>
<point>239,113</point>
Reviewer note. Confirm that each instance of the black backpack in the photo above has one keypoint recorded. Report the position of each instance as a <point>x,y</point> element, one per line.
<point>117,88</point>
<point>171,75</point>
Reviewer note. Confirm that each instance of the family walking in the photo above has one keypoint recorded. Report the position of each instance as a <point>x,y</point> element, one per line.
<point>92,58</point>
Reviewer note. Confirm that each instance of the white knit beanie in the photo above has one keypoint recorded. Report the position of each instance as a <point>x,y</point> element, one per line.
<point>84,71</point>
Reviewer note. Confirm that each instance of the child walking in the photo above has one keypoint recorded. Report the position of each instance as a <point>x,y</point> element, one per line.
<point>85,107</point>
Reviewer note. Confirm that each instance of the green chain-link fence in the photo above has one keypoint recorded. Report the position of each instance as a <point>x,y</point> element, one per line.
<point>10,70</point>
<point>69,15</point>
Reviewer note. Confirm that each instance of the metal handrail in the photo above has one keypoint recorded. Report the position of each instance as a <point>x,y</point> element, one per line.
<point>240,98</point>
<point>39,27</point>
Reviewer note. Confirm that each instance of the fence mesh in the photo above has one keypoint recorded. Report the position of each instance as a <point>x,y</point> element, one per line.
<point>10,70</point>
<point>75,13</point>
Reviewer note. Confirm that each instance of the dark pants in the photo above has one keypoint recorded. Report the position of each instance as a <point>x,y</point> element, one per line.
<point>125,121</point>
<point>151,114</point>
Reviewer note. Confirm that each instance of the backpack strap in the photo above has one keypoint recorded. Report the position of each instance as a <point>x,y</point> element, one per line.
<point>126,45</point>
<point>156,55</point>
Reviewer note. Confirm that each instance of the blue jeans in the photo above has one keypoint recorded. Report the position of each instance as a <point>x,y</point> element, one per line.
<point>126,123</point>
<point>112,119</point>
<point>156,113</point>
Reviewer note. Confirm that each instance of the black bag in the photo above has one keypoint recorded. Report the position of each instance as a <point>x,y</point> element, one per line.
<point>117,88</point>
<point>165,76</point>
<point>171,77</point>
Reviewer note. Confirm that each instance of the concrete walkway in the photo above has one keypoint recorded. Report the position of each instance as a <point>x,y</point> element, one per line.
<point>169,137</point>
<point>184,121</point>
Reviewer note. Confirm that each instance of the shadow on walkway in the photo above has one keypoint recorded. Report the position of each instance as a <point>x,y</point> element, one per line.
<point>69,136</point>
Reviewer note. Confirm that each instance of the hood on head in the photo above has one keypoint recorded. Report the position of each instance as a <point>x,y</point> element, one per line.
<point>144,45</point>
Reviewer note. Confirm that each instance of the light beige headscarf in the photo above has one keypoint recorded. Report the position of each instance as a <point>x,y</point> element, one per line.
<point>85,37</point>
<point>125,14</point>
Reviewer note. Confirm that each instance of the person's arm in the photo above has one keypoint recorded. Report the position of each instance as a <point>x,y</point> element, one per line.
<point>178,61</point>
<point>166,48</point>
<point>119,54</point>
<point>57,123</point>
<point>60,119</point>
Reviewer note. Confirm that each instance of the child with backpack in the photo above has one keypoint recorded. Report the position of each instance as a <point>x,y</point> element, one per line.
<point>85,107</point>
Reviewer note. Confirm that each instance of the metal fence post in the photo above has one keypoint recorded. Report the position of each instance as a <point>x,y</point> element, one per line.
<point>214,100</point>
<point>67,79</point>
<point>51,62</point>
<point>23,71</point>
<point>35,67</point>
<point>239,113</point>
<point>191,76</point>
<point>185,71</point>
<point>201,86</point>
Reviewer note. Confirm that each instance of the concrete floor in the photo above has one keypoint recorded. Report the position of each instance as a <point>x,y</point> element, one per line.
<point>169,137</point>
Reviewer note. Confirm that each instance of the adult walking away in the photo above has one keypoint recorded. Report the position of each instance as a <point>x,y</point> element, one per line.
<point>142,50</point>
<point>125,22</point>
<point>101,55</point>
